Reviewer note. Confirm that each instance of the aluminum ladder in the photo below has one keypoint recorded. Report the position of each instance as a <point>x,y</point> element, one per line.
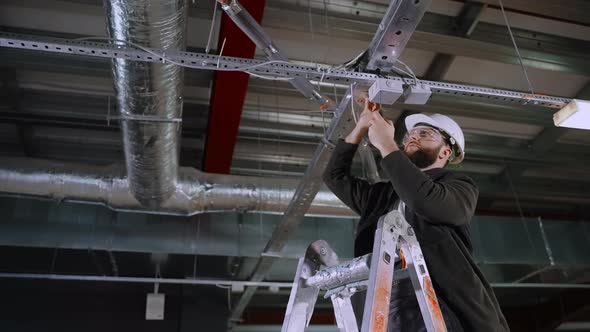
<point>320,269</point>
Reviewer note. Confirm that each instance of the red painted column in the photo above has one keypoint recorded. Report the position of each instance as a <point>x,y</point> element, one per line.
<point>228,93</point>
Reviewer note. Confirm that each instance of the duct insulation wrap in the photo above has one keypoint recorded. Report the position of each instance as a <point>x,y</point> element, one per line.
<point>195,192</point>
<point>149,95</point>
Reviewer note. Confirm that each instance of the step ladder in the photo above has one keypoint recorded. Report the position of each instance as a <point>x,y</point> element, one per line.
<point>374,273</point>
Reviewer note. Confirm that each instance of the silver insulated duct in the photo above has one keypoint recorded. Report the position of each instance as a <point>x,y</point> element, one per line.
<point>195,192</point>
<point>149,95</point>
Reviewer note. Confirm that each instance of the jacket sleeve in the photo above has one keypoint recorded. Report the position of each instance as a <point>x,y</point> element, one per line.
<point>450,202</point>
<point>352,191</point>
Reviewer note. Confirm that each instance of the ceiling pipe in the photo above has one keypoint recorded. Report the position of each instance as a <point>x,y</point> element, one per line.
<point>234,283</point>
<point>149,95</point>
<point>149,280</point>
<point>195,192</point>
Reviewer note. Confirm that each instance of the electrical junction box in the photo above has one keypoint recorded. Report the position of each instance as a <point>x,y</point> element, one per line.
<point>154,308</point>
<point>417,94</point>
<point>237,288</point>
<point>385,92</point>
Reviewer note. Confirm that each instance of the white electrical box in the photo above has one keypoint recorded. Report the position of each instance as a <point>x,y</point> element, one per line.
<point>154,308</point>
<point>237,288</point>
<point>417,94</point>
<point>385,92</point>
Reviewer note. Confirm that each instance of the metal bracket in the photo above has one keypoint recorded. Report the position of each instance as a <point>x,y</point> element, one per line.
<point>254,31</point>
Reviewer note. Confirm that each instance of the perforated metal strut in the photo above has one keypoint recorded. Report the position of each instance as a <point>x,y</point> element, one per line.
<point>284,70</point>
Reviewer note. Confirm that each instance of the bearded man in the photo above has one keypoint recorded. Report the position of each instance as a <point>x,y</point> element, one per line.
<point>439,205</point>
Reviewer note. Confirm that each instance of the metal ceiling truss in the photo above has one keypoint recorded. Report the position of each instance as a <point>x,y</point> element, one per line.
<point>282,70</point>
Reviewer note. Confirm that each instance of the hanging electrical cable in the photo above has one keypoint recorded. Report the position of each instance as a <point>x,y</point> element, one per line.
<point>211,28</point>
<point>526,76</point>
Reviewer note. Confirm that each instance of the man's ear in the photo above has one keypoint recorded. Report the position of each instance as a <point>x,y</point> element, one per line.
<point>445,152</point>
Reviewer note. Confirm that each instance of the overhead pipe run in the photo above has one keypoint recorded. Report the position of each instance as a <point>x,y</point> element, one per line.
<point>232,283</point>
<point>195,192</point>
<point>149,95</point>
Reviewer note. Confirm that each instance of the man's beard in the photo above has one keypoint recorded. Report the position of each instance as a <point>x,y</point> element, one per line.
<point>423,157</point>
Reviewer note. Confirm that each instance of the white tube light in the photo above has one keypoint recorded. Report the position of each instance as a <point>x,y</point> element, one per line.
<point>576,114</point>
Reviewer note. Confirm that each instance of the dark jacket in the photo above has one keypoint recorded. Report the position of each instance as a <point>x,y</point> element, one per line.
<point>439,206</point>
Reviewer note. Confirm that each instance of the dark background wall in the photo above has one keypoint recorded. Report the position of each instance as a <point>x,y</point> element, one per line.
<point>46,305</point>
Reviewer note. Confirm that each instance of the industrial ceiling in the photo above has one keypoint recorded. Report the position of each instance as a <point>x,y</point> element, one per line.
<point>64,159</point>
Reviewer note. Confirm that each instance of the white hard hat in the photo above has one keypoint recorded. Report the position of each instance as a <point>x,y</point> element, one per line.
<point>445,124</point>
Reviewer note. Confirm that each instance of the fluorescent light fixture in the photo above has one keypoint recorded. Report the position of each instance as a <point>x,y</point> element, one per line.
<point>576,114</point>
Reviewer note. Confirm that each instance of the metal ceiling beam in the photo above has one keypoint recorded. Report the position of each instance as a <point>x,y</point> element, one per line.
<point>228,93</point>
<point>210,62</point>
<point>468,18</point>
<point>397,26</point>
<point>465,23</point>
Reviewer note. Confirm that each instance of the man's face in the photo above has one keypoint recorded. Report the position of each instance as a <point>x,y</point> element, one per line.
<point>423,145</point>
